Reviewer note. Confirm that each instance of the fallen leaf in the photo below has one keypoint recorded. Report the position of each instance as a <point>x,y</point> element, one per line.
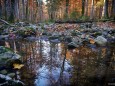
<point>18,66</point>
<point>92,41</point>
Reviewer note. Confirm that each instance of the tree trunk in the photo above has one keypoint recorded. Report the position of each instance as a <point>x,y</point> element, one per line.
<point>0,9</point>
<point>27,10</point>
<point>7,9</point>
<point>40,3</point>
<point>92,10</point>
<point>86,7</point>
<point>105,9</point>
<point>11,17</point>
<point>113,9</point>
<point>16,10</point>
<point>67,7</point>
<point>23,9</point>
<point>83,7</point>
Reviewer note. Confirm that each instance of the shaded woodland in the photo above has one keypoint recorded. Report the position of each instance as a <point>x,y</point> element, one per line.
<point>57,42</point>
<point>56,10</point>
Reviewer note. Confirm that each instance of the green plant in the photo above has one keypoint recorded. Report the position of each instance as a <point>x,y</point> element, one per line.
<point>73,15</point>
<point>84,18</point>
<point>66,17</point>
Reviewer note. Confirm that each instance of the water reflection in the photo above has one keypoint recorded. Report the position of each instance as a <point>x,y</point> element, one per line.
<point>52,64</point>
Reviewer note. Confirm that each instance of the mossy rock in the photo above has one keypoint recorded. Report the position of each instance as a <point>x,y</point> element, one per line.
<point>11,75</point>
<point>4,72</point>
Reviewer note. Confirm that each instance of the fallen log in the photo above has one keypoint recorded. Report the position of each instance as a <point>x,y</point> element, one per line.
<point>5,22</point>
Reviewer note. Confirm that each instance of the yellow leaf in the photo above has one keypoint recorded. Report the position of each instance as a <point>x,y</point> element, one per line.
<point>92,41</point>
<point>17,66</point>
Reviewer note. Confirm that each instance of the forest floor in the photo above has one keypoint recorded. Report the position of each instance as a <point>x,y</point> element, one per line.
<point>74,35</point>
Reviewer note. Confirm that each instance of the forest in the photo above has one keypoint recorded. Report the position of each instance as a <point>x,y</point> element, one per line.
<point>57,42</point>
<point>57,10</point>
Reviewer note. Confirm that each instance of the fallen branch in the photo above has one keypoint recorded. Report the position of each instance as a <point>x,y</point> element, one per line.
<point>1,20</point>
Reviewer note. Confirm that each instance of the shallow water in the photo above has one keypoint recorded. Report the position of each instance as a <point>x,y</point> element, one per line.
<point>52,64</point>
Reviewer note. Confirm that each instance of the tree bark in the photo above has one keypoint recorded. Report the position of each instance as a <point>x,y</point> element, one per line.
<point>0,9</point>
<point>92,10</point>
<point>113,9</point>
<point>83,7</point>
<point>27,10</point>
<point>86,7</point>
<point>67,7</point>
<point>7,9</point>
<point>16,10</point>
<point>105,9</point>
<point>23,9</point>
<point>41,10</point>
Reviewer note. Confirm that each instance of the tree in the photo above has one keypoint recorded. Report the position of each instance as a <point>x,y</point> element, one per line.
<point>105,9</point>
<point>67,7</point>
<point>86,7</point>
<point>113,9</point>
<point>0,8</point>
<point>83,7</point>
<point>16,10</point>
<point>40,3</point>
<point>23,8</point>
<point>92,10</point>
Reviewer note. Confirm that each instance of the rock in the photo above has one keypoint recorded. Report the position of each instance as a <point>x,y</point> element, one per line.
<point>2,37</point>
<point>95,34</point>
<point>4,72</point>
<point>6,81</point>
<point>55,41</point>
<point>8,57</point>
<point>72,45</point>
<point>11,75</point>
<point>100,40</point>
<point>53,37</point>
<point>88,25</point>
<point>68,39</point>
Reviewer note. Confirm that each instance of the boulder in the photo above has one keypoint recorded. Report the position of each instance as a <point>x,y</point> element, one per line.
<point>100,40</point>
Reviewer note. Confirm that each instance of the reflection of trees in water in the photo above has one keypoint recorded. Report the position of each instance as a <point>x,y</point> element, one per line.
<point>89,67</point>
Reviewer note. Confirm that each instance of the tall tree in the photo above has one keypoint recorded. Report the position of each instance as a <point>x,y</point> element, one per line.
<point>105,9</point>
<point>67,6</point>
<point>26,9</point>
<point>92,10</point>
<point>16,12</point>
<point>23,9</point>
<point>11,18</point>
<point>40,3</point>
<point>0,8</point>
<point>86,7</point>
<point>113,9</point>
<point>83,7</point>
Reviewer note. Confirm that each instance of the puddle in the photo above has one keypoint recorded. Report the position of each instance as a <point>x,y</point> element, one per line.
<point>52,64</point>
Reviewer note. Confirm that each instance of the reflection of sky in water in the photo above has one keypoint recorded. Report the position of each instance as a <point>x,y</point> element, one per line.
<point>49,73</point>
